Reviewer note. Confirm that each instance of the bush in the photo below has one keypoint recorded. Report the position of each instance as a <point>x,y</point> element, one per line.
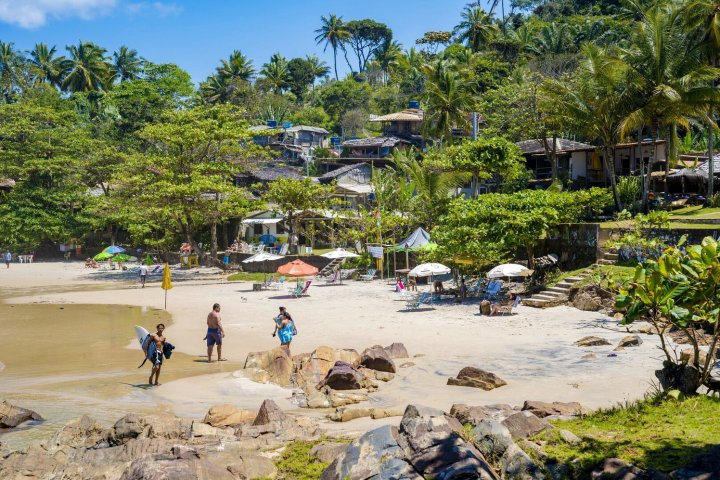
<point>714,201</point>
<point>629,189</point>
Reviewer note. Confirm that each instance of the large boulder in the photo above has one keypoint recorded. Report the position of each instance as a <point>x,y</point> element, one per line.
<point>226,415</point>
<point>12,416</point>
<point>327,452</point>
<point>477,378</point>
<point>161,467</point>
<point>313,367</point>
<point>269,412</point>
<point>545,409</point>
<point>376,358</point>
<point>492,438</point>
<point>703,466</point>
<point>276,362</point>
<point>343,376</point>
<point>397,350</point>
<point>83,432</point>
<point>591,341</point>
<point>149,426</point>
<point>525,424</point>
<point>616,469</point>
<point>515,463</point>
<point>474,414</point>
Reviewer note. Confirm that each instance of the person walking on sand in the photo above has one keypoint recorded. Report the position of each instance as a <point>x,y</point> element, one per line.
<point>8,258</point>
<point>215,333</point>
<point>284,328</point>
<point>155,353</point>
<point>143,274</point>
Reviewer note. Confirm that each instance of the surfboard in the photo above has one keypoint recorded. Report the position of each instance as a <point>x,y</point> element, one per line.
<point>142,336</point>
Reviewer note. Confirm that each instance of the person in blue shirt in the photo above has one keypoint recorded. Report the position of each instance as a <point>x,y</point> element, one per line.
<point>284,327</point>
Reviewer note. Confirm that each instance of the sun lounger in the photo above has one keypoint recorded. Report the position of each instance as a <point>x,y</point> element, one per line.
<point>508,309</point>
<point>369,275</point>
<point>299,291</point>
<point>279,284</point>
<point>493,289</point>
<point>418,300</point>
<point>334,277</point>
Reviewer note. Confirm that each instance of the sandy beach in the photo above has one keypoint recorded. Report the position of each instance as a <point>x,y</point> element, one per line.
<point>533,349</point>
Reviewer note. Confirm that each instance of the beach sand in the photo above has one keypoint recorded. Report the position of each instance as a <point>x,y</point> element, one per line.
<point>533,349</point>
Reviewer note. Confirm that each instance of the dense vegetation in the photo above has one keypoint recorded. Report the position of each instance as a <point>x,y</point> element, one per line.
<point>99,142</point>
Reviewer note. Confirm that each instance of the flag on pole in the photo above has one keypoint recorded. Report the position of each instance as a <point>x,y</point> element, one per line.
<point>167,281</point>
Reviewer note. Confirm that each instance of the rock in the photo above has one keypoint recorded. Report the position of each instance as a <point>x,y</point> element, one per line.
<point>200,429</point>
<point>382,376</point>
<point>616,469</point>
<point>630,341</point>
<point>589,356</point>
<point>688,355</point>
<point>569,437</point>
<point>312,368</point>
<point>586,302</point>
<point>158,468</point>
<point>407,365</point>
<point>149,426</point>
<point>226,415</point>
<point>326,452</point>
<point>269,412</point>
<point>348,397</point>
<point>533,447</point>
<point>701,467</point>
<point>517,464</point>
<point>683,377</point>
<point>83,432</point>
<point>643,327</point>
<point>422,427</point>
<point>317,399</point>
<point>12,416</point>
<point>376,358</point>
<point>346,414</point>
<point>473,415</point>
<point>477,378</point>
<point>276,362</point>
<point>491,438</point>
<point>363,458</point>
<point>378,413</point>
<point>591,341</point>
<point>397,350</point>
<point>257,375</point>
<point>525,424</point>
<point>343,376</point>
<point>256,467</point>
<point>545,409</point>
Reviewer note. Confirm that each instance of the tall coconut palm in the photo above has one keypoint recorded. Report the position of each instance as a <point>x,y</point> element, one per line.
<point>45,66</point>
<point>11,72</point>
<point>448,99</point>
<point>318,67</point>
<point>237,66</point>
<point>554,39</point>
<point>670,77</point>
<point>476,28</point>
<point>387,56</point>
<point>126,65</point>
<point>275,73</point>
<point>333,33</point>
<point>87,68</point>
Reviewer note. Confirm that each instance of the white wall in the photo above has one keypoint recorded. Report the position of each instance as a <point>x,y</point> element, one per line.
<point>579,164</point>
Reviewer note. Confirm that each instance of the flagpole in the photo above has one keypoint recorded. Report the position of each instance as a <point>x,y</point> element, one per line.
<point>165,299</point>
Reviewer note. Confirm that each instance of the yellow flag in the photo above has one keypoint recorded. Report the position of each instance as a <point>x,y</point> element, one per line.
<point>167,280</point>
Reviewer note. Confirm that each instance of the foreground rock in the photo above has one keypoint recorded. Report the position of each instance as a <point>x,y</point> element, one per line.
<point>397,350</point>
<point>226,415</point>
<point>545,409</point>
<point>343,376</point>
<point>12,416</point>
<point>590,298</point>
<point>591,341</point>
<point>475,377</point>
<point>377,358</point>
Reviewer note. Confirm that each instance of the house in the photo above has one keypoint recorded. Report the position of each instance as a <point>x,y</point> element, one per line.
<point>372,147</point>
<point>405,124</point>
<point>266,175</point>
<point>583,163</point>
<point>262,223</point>
<point>352,185</point>
<point>293,143</point>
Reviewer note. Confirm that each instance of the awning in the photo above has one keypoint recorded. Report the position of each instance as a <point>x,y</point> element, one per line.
<point>261,221</point>
<point>360,188</point>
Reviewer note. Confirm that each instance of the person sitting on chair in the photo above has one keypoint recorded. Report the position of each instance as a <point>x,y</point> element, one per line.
<point>439,287</point>
<point>491,308</point>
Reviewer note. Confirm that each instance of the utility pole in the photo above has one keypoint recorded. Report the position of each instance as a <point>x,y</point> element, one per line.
<point>711,160</point>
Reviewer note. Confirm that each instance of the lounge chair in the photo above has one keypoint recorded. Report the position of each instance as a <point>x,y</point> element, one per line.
<point>300,290</point>
<point>334,277</point>
<point>416,301</point>
<point>284,249</point>
<point>297,291</point>
<point>508,309</point>
<point>279,284</point>
<point>369,275</point>
<point>493,289</point>
<point>269,281</point>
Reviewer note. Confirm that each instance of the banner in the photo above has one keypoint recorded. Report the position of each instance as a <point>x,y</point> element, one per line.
<point>376,252</point>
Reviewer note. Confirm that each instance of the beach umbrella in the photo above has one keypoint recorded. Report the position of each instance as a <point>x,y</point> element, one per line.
<point>429,269</point>
<point>297,268</point>
<point>102,256</point>
<point>166,282</point>
<point>263,257</point>
<point>122,257</point>
<point>509,270</point>
<point>113,249</point>
<point>339,253</point>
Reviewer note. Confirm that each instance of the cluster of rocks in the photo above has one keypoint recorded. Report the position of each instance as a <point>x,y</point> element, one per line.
<point>12,416</point>
<point>230,444</point>
<point>591,298</point>
<point>593,341</point>
<point>327,377</point>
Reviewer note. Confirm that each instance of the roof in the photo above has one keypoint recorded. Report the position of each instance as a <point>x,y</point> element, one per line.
<point>356,188</point>
<point>307,128</point>
<point>261,221</point>
<point>416,239</point>
<point>374,142</point>
<point>703,166</point>
<point>563,145</point>
<point>336,173</point>
<point>408,115</point>
<point>269,174</point>
<point>261,128</point>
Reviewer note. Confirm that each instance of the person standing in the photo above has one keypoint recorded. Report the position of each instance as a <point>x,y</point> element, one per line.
<point>284,328</point>
<point>155,353</point>
<point>215,333</point>
<point>8,258</point>
<point>143,274</point>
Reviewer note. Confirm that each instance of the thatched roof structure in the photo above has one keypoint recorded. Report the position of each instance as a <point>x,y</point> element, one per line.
<point>375,142</point>
<point>408,115</point>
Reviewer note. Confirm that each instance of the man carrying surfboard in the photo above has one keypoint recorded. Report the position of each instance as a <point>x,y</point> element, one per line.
<point>156,354</point>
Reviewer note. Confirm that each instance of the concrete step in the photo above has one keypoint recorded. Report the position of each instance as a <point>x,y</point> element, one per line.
<point>543,296</point>
<point>605,261</point>
<point>563,290</point>
<point>574,279</point>
<point>611,256</point>
<point>563,284</point>
<point>539,303</point>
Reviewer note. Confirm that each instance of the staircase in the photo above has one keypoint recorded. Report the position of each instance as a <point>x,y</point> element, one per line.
<point>330,267</point>
<point>608,259</point>
<point>556,295</point>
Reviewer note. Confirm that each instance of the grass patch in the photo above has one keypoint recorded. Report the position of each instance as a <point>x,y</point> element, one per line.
<point>696,212</point>
<point>246,277</point>
<point>296,463</point>
<point>609,275</point>
<point>557,277</point>
<point>663,435</point>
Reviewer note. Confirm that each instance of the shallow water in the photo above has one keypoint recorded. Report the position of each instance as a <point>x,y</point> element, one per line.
<point>67,360</point>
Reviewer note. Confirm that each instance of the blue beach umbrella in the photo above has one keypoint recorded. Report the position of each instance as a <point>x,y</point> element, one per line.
<point>113,249</point>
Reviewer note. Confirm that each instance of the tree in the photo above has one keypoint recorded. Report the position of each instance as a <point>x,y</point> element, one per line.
<point>11,72</point>
<point>231,82</point>
<point>45,66</point>
<point>275,73</point>
<point>236,67</point>
<point>366,36</point>
<point>434,40</point>
<point>333,33</point>
<point>301,74</point>
<point>679,291</point>
<point>126,65</point>
<point>483,159</point>
<point>476,28</point>
<point>317,66</point>
<point>182,183</point>
<point>341,96</point>
<point>448,101</point>
<point>292,198</point>
<point>86,68</point>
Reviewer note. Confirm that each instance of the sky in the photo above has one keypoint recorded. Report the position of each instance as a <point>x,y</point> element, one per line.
<point>196,34</point>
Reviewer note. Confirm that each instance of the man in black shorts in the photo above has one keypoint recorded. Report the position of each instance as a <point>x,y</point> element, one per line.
<point>215,333</point>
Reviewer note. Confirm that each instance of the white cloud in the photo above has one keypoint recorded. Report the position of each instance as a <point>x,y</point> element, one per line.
<point>35,13</point>
<point>158,8</point>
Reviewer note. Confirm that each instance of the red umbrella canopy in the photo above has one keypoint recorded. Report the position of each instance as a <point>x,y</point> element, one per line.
<point>297,268</point>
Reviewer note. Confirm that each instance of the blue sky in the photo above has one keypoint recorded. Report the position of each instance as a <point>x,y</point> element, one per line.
<point>197,34</point>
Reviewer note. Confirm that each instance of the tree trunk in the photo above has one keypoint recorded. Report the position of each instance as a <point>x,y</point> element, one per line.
<point>531,255</point>
<point>213,240</point>
<point>642,172</point>
<point>335,61</point>
<point>610,172</point>
<point>711,161</point>
<point>474,185</point>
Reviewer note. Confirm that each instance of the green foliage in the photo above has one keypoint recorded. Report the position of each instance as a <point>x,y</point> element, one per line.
<point>661,435</point>
<point>629,190</point>
<point>292,197</point>
<point>714,201</point>
<point>296,463</point>
<point>246,277</point>
<point>314,116</point>
<point>338,97</point>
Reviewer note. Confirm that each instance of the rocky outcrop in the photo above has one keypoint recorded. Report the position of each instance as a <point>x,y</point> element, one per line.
<point>525,424</point>
<point>546,409</point>
<point>276,362</point>
<point>12,416</point>
<point>377,358</point>
<point>226,415</point>
<point>591,298</point>
<point>630,341</point>
<point>343,376</point>
<point>83,432</point>
<point>269,412</point>
<point>311,369</point>
<point>591,341</point>
<point>397,350</point>
<point>475,414</point>
<point>477,378</point>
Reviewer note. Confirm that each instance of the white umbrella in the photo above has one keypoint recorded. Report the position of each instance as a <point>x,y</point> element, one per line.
<point>339,253</point>
<point>428,269</point>
<point>263,257</point>
<point>509,270</point>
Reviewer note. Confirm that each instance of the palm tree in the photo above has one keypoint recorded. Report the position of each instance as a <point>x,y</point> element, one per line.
<point>670,78</point>
<point>447,99</point>
<point>237,66</point>
<point>553,39</point>
<point>275,73</point>
<point>11,71</point>
<point>318,67</point>
<point>476,28</point>
<point>126,65</point>
<point>86,67</point>
<point>334,34</point>
<point>45,66</point>
<point>387,56</point>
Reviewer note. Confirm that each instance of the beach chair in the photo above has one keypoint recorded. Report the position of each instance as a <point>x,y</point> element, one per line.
<point>279,284</point>
<point>333,278</point>
<point>508,309</point>
<point>418,300</point>
<point>269,281</point>
<point>284,249</point>
<point>303,290</point>
<point>493,289</point>
<point>369,275</point>
<point>297,291</point>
